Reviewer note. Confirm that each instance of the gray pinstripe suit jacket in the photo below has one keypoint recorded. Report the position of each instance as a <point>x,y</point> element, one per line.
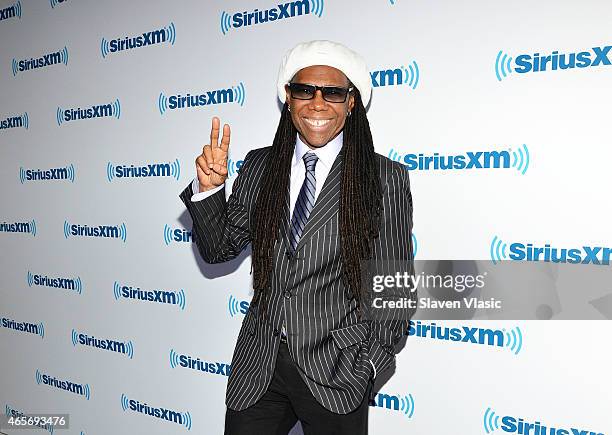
<point>326,339</point>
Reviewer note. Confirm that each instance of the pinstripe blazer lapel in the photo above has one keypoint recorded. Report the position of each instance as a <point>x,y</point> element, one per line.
<point>327,203</point>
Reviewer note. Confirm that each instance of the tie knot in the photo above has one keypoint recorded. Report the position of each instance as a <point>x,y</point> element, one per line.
<point>310,160</point>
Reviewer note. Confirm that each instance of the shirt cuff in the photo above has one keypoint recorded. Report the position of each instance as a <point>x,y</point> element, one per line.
<point>199,196</point>
<point>373,367</point>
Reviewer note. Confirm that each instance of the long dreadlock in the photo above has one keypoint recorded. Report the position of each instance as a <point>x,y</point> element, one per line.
<point>360,201</point>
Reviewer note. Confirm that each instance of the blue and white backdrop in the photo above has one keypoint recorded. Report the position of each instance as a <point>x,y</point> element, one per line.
<point>499,110</point>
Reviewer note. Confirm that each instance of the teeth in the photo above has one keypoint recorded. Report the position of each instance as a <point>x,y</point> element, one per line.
<point>317,122</point>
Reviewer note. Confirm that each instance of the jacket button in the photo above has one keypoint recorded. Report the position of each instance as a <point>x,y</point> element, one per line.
<point>287,294</point>
<point>288,254</point>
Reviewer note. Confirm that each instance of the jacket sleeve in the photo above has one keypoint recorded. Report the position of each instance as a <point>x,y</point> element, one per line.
<point>221,228</point>
<point>393,252</point>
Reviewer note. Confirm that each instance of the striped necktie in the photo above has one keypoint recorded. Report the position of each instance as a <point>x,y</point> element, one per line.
<point>305,200</point>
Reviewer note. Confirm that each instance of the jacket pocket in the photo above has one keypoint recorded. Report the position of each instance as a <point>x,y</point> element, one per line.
<point>349,335</point>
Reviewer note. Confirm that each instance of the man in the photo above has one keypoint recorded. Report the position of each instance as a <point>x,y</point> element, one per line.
<point>319,207</point>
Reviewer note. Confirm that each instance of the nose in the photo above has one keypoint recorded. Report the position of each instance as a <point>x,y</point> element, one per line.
<point>317,102</point>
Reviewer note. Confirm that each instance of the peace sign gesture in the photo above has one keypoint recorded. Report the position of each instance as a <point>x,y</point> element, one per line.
<point>211,165</point>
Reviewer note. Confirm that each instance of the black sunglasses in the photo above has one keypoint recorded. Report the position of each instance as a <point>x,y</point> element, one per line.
<point>332,94</point>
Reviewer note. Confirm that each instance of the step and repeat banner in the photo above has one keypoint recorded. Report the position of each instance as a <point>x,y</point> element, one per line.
<point>108,314</point>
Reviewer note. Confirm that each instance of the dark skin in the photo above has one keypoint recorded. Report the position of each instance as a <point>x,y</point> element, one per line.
<point>317,122</point>
<point>317,109</point>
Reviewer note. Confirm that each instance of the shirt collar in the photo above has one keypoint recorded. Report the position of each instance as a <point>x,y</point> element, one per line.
<point>327,154</point>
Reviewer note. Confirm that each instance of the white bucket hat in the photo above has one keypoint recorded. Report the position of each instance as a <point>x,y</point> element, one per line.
<point>325,53</point>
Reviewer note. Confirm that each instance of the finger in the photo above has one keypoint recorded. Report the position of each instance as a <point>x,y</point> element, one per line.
<point>208,155</point>
<point>202,165</point>
<point>201,174</point>
<point>225,140</point>
<point>214,132</point>
<point>220,169</point>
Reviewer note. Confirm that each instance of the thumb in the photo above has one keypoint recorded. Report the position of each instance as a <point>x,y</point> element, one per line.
<point>201,174</point>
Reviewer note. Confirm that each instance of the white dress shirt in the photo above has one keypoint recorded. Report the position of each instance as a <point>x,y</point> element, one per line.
<point>327,155</point>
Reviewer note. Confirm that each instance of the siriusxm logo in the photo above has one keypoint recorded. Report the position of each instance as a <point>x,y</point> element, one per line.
<point>518,251</point>
<point>403,404</point>
<point>396,76</point>
<point>189,362</point>
<point>73,284</point>
<point>12,11</point>
<point>126,348</point>
<point>105,231</point>
<point>182,418</point>
<point>30,328</point>
<point>511,340</point>
<point>62,173</point>
<point>517,159</point>
<point>57,57</point>
<point>278,12</point>
<point>54,3</point>
<point>235,306</point>
<point>15,414</point>
<point>19,227</point>
<point>80,389</point>
<point>176,235</point>
<point>15,122</point>
<point>169,169</point>
<point>233,166</point>
<point>524,63</point>
<point>171,297</point>
<point>518,425</point>
<point>112,109</point>
<point>160,36</point>
<point>235,94</point>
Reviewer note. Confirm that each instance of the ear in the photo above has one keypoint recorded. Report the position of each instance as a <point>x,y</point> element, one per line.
<point>287,94</point>
<point>351,102</point>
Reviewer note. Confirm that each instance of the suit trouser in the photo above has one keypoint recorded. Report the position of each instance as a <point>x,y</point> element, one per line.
<point>288,400</point>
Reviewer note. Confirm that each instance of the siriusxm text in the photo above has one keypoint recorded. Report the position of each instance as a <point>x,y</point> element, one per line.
<point>215,368</point>
<point>46,174</point>
<point>102,343</point>
<point>280,12</point>
<point>17,227</point>
<point>149,170</point>
<point>111,231</point>
<point>218,96</point>
<point>7,13</point>
<point>161,413</point>
<point>97,111</point>
<point>19,326</point>
<point>71,387</point>
<point>147,38</point>
<point>597,255</point>
<point>490,337</point>
<point>160,296</point>
<point>43,61</point>
<point>468,160</point>
<point>62,283</point>
<point>519,426</point>
<point>12,122</point>
<point>597,56</point>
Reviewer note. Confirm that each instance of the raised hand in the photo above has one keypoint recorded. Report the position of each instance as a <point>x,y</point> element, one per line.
<point>211,165</point>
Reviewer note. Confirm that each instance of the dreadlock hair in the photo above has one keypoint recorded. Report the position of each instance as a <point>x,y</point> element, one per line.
<point>360,201</point>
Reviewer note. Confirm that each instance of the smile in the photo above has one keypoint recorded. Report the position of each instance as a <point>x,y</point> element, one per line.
<point>317,122</point>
